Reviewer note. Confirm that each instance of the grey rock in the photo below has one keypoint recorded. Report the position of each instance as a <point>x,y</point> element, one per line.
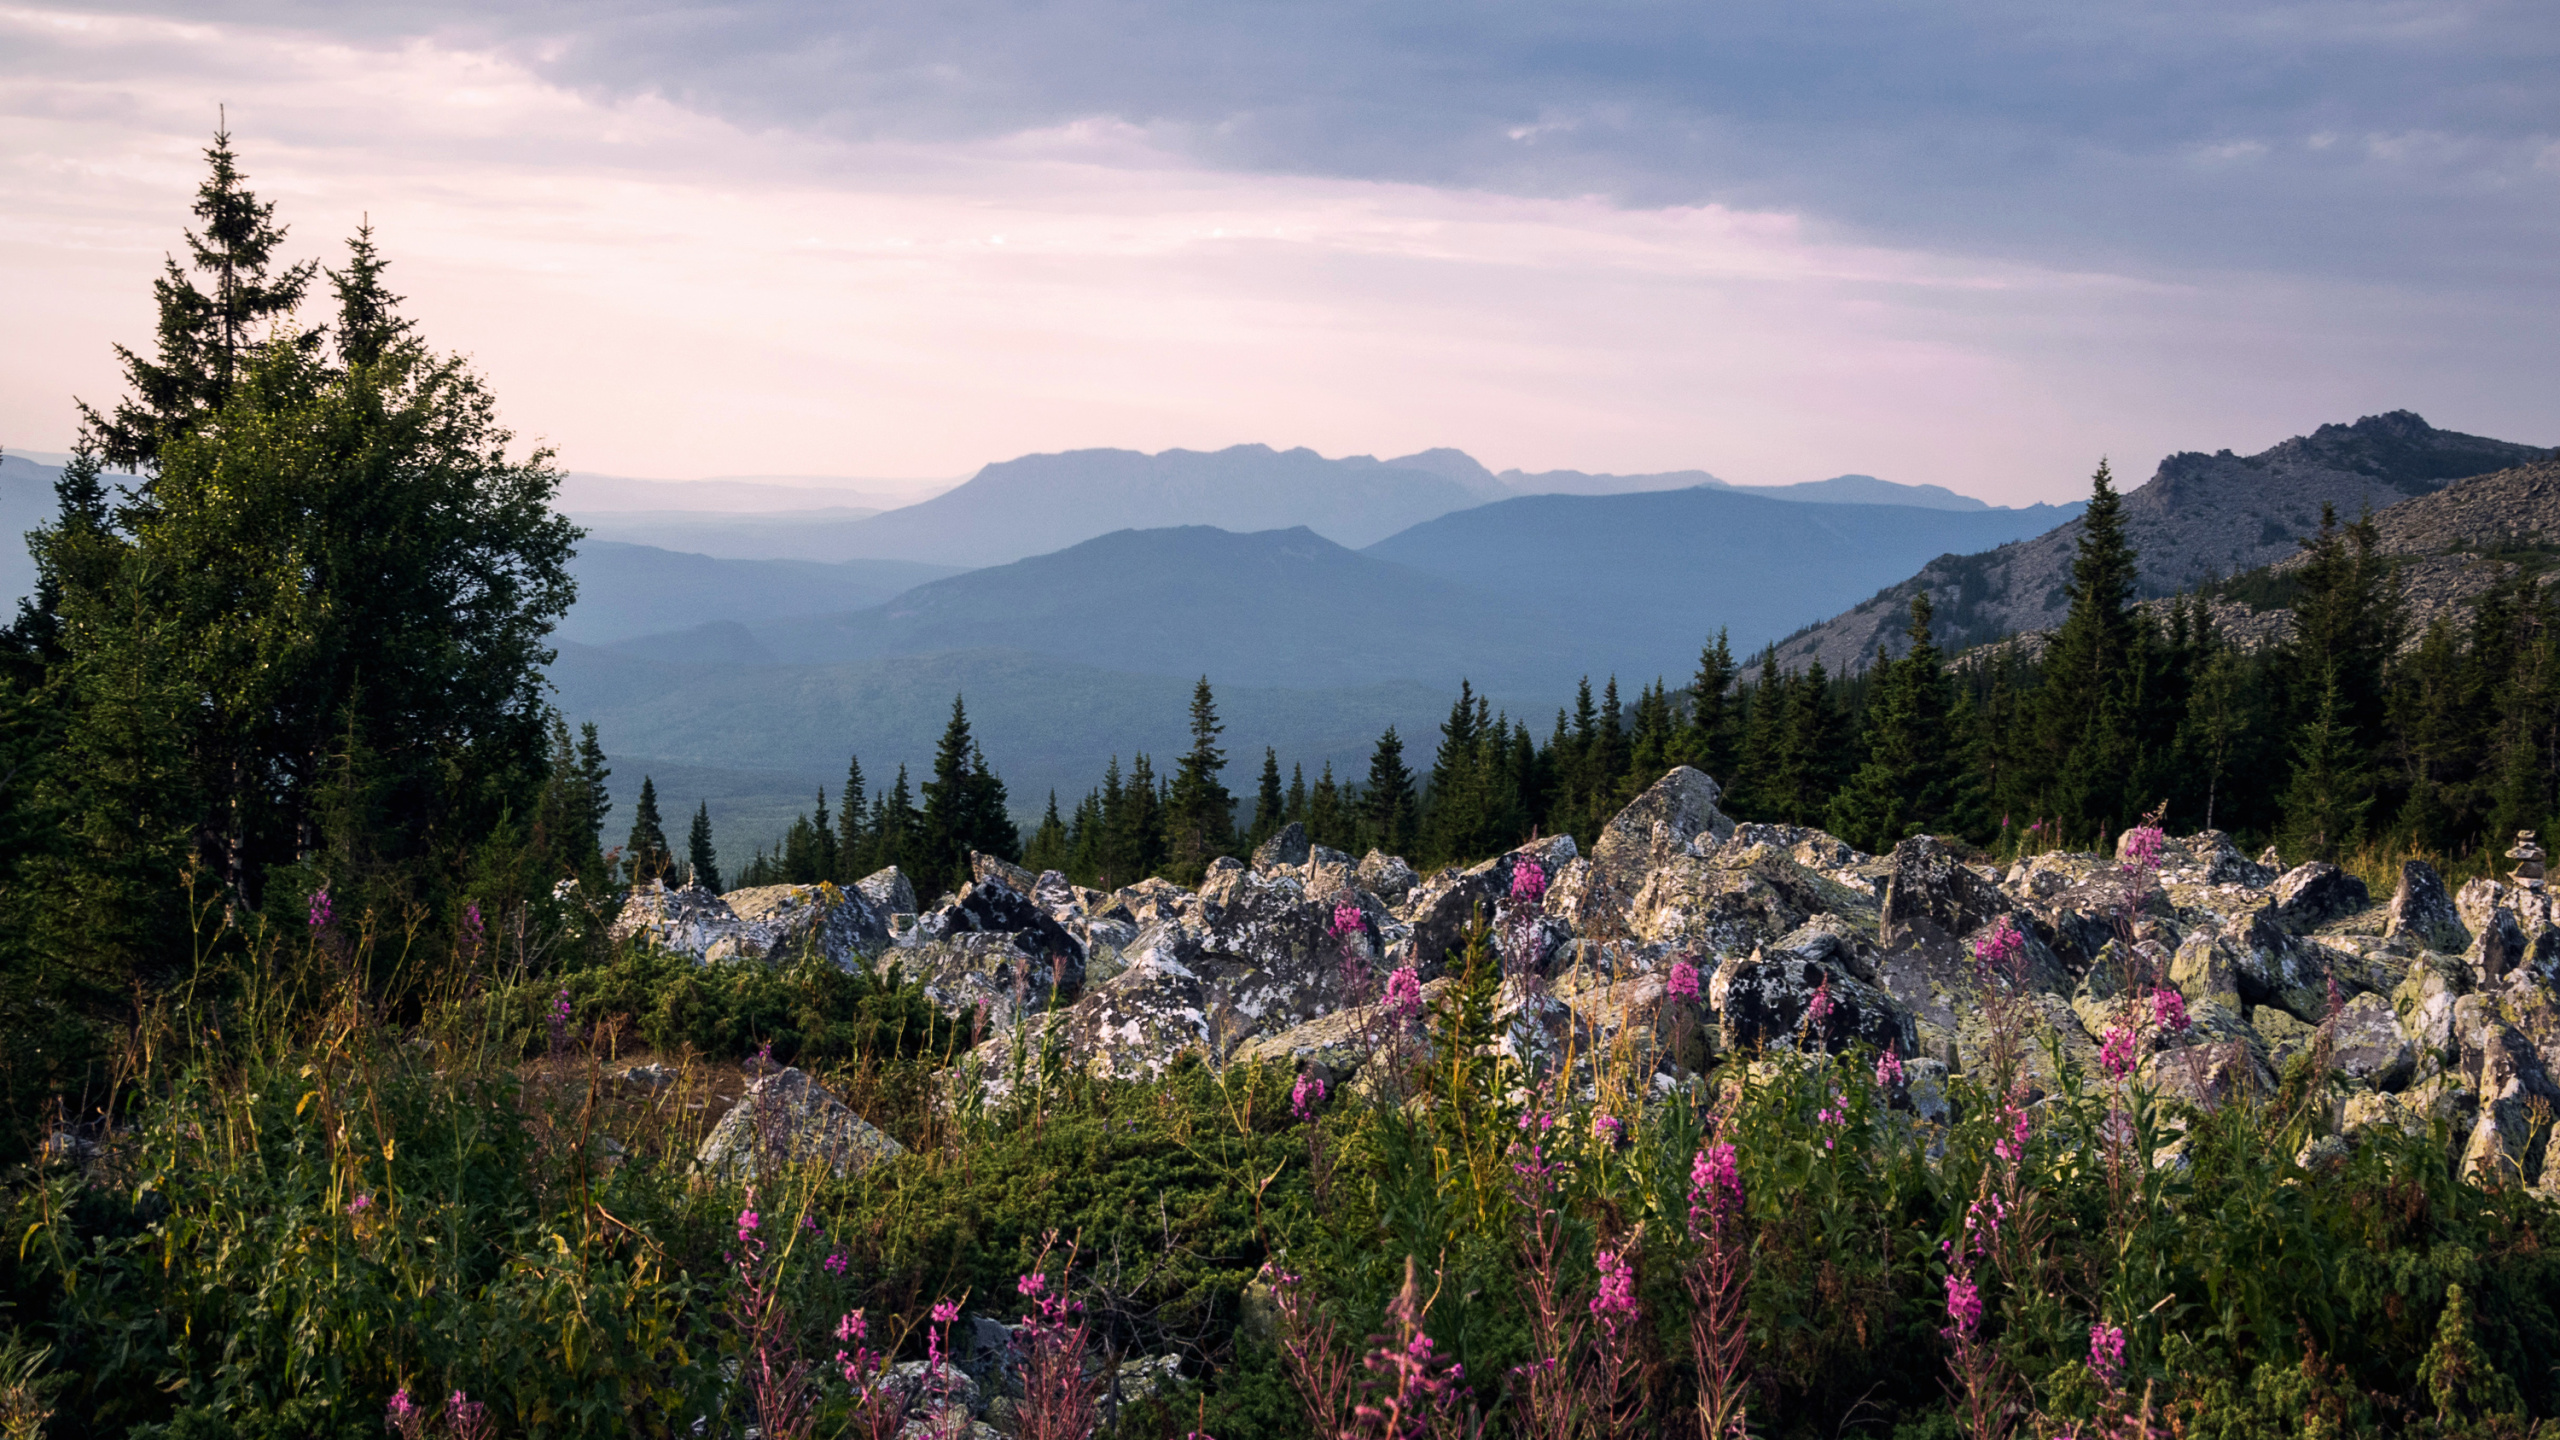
<point>649,1077</point>
<point>1931,894</point>
<point>1924,1082</point>
<point>2312,895</point>
<point>1443,908</point>
<point>889,891</point>
<point>782,923</point>
<point>984,867</point>
<point>993,907</point>
<point>2498,941</point>
<point>788,1119</point>
<point>997,978</point>
<point>1287,850</point>
<point>2422,910</point>
<point>2368,1045</point>
<point>1054,893</point>
<point>1765,1001</point>
<point>1665,820</point>
<point>1386,876</point>
<point>688,920</point>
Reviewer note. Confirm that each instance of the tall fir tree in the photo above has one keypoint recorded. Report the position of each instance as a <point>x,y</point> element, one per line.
<point>1909,783</point>
<point>646,852</point>
<point>1329,821</point>
<point>854,841</point>
<point>1714,739</point>
<point>2082,748</point>
<point>1270,806</point>
<point>1200,815</point>
<point>1049,848</point>
<point>1295,811</point>
<point>704,859</point>
<point>1389,813</point>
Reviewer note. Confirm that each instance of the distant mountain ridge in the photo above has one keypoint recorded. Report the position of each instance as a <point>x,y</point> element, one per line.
<point>2198,517</point>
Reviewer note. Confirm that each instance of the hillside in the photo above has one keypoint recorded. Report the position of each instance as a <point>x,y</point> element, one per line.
<point>757,741</point>
<point>626,590</point>
<point>1646,578</point>
<point>2198,517</point>
<point>1280,607</point>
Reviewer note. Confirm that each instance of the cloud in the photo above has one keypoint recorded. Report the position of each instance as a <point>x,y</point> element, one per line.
<point>758,238</point>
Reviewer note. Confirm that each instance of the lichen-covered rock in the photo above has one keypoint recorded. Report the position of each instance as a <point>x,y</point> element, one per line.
<point>1933,895</point>
<point>1663,821</point>
<point>688,920</point>
<point>1286,850</point>
<point>1152,900</point>
<point>2422,910</point>
<point>1446,906</point>
<point>1332,1047</point>
<point>2310,896</point>
<point>788,1119</point>
<point>984,867</point>
<point>2368,1046</point>
<point>1776,997</point>
<point>779,923</point>
<point>1386,876</point>
<point>995,907</point>
<point>889,891</point>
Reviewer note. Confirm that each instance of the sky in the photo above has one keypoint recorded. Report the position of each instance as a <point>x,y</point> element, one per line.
<point>1975,243</point>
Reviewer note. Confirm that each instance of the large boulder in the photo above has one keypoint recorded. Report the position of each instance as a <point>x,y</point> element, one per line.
<point>1768,1000</point>
<point>1332,1047</point>
<point>1286,850</point>
<point>1285,964</point>
<point>1932,895</point>
<point>2310,896</point>
<point>780,923</point>
<point>1446,906</point>
<point>2367,1045</point>
<point>788,1119</point>
<point>889,891</point>
<point>984,867</point>
<point>994,906</point>
<point>2421,910</point>
<point>1664,821</point>
<point>2499,944</point>
<point>1386,876</point>
<point>688,920</point>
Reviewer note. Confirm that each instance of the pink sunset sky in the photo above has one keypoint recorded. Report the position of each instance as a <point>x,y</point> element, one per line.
<point>671,281</point>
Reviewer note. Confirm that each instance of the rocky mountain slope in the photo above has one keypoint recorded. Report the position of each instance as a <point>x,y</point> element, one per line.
<point>2201,972</point>
<point>631,590</point>
<point>2198,517</point>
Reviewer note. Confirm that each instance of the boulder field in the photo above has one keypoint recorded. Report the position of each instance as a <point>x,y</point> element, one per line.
<point>1685,934</point>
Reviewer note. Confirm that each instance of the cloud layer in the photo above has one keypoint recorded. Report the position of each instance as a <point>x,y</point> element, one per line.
<point>1970,244</point>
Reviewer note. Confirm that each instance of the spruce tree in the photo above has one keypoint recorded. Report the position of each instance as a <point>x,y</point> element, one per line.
<point>823,849</point>
<point>950,807</point>
<point>898,831</point>
<point>370,325</point>
<point>1764,724</point>
<point>1296,810</point>
<point>1138,840</point>
<point>854,841</point>
<point>1328,820</point>
<point>2326,803</point>
<point>991,826</point>
<point>1200,816</point>
<point>1049,848</point>
<point>646,851</point>
<point>592,774</point>
<point>1714,737</point>
<point>1388,817</point>
<point>205,334</point>
<point>704,859</point>
<point>1908,783</point>
<point>1810,750</point>
<point>1269,805</point>
<point>2082,748</point>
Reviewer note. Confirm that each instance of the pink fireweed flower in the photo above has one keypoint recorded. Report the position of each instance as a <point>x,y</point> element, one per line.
<point>1615,1302</point>
<point>1305,1096</point>
<point>1833,1118</point>
<point>1404,994</point>
<point>1528,882</point>
<point>1683,983</point>
<point>2013,1144</point>
<point>2000,949</point>
<point>853,1327</point>
<point>402,1412</point>
<point>1607,1128</point>
<point>2116,1053</point>
<point>1347,920</point>
<point>1818,1011</point>
<point>1715,1184</point>
<point>836,1263</point>
<point>2106,1353</point>
<point>360,1204</point>
<point>2169,1011</point>
<point>2141,847</point>
<point>1889,1072</point>
<point>321,910</point>
<point>472,925</point>
<point>945,1311</point>
<point>1964,1304</point>
<point>748,1220</point>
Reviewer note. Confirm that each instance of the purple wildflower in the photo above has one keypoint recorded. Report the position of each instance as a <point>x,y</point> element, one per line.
<point>1683,983</point>
<point>1964,1303</point>
<point>748,1220</point>
<point>321,910</point>
<point>1607,1129</point>
<point>1615,1302</point>
<point>1347,920</point>
<point>1305,1096</point>
<point>2141,849</point>
<point>2169,1011</point>
<point>1404,994</point>
<point>1528,882</point>
<point>2116,1053</point>
<point>2106,1353</point>
<point>360,1204</point>
<point>835,1263</point>
<point>1889,1072</point>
